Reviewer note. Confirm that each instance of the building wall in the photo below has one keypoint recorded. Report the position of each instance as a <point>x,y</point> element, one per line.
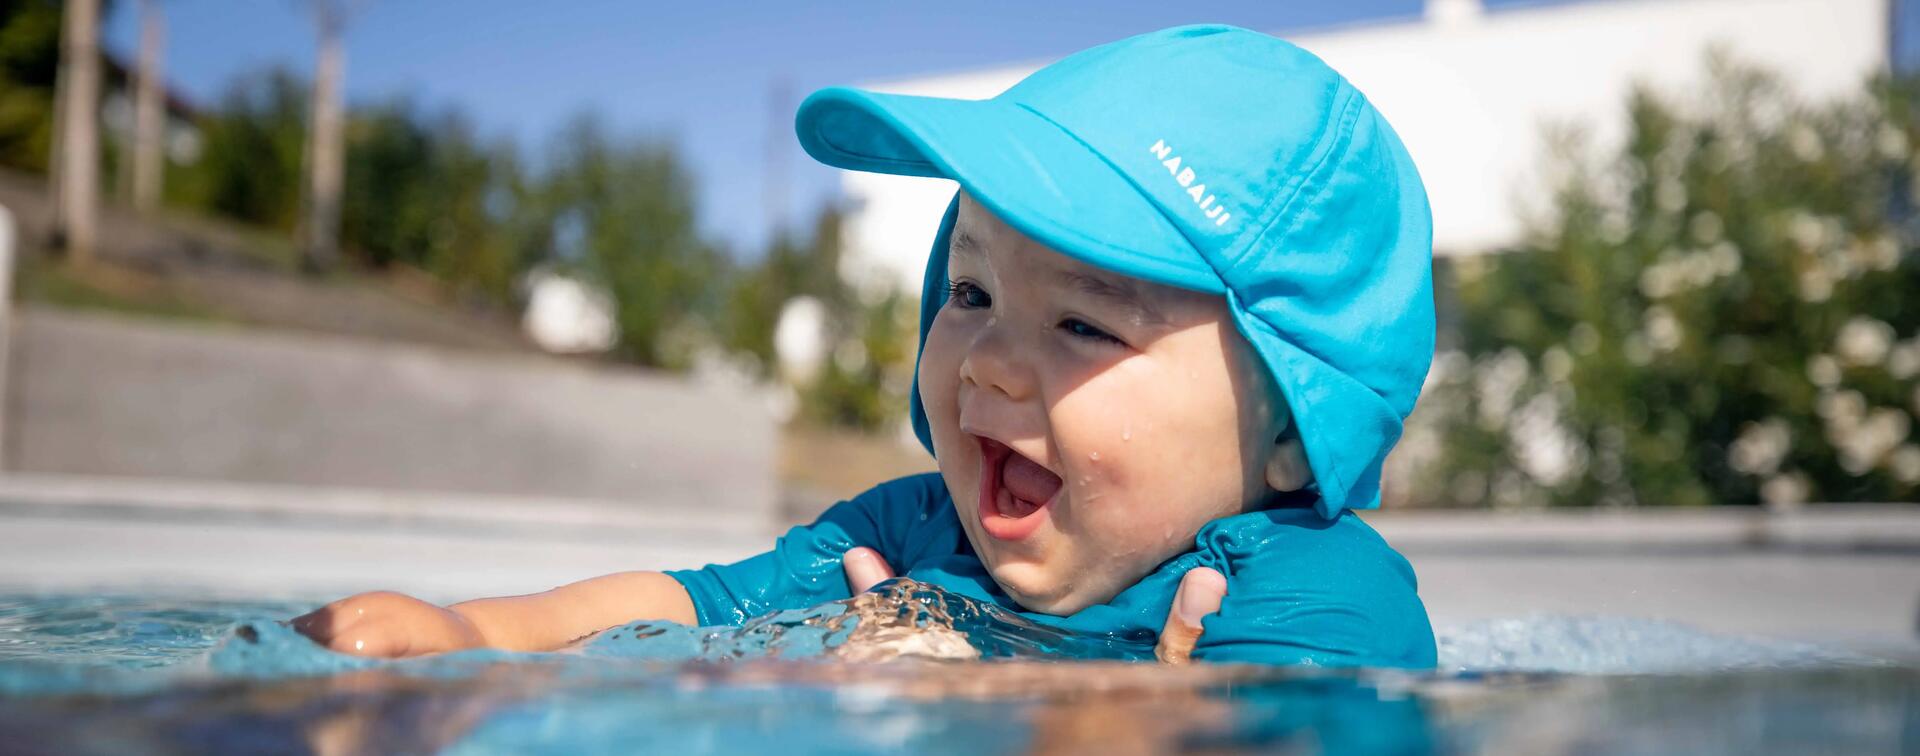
<point>1472,94</point>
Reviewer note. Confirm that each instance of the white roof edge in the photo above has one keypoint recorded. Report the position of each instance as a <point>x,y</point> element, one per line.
<point>1494,14</point>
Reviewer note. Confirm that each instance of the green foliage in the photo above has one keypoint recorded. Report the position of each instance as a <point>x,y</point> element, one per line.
<point>621,212</point>
<point>420,188</point>
<point>792,267</point>
<point>29,56</point>
<point>423,191</point>
<point>250,166</point>
<point>418,191</point>
<point>865,383</point>
<point>1722,312</point>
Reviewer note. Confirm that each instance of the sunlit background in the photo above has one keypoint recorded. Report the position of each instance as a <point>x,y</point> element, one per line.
<point>313,296</point>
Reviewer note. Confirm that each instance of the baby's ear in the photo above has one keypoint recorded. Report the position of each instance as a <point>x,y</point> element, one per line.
<point>1287,468</point>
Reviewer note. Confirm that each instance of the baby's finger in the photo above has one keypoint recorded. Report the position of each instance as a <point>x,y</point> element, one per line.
<point>323,624</point>
<point>865,568</point>
<point>1200,593</point>
<point>328,622</point>
<point>377,638</point>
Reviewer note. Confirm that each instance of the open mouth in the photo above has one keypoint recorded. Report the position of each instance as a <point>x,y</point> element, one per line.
<point>1014,491</point>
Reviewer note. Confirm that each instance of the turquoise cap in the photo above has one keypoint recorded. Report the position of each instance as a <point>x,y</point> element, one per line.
<point>1210,158</point>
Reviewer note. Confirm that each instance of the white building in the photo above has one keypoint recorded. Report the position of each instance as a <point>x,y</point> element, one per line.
<point>566,315</point>
<point>1470,91</point>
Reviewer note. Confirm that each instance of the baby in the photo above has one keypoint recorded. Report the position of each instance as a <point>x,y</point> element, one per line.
<point>1172,323</point>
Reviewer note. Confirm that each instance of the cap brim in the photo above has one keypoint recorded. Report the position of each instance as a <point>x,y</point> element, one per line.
<point>1027,170</point>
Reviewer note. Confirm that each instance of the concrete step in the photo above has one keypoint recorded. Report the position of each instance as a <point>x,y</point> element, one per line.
<point>97,395</point>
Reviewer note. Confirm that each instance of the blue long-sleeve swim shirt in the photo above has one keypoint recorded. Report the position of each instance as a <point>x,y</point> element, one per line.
<point>1301,588</point>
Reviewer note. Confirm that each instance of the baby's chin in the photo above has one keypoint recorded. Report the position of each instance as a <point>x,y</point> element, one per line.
<point>1037,591</point>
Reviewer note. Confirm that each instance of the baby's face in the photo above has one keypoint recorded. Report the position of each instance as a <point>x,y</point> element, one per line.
<point>1087,423</point>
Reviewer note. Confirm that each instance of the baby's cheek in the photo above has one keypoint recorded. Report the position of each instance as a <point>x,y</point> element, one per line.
<point>1143,527</point>
<point>939,377</point>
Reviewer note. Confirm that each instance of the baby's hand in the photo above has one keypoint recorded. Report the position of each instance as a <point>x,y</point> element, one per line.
<point>383,623</point>
<point>865,569</point>
<point>1200,593</point>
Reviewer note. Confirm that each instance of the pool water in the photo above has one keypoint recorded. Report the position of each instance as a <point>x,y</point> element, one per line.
<point>912,668</point>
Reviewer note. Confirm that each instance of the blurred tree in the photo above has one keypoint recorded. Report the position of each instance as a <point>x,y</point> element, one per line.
<point>29,59</point>
<point>865,382</point>
<point>793,266</point>
<point>422,191</point>
<point>324,158</point>
<point>621,213</point>
<point>143,171</point>
<point>75,163</point>
<point>1722,312</point>
<point>249,169</point>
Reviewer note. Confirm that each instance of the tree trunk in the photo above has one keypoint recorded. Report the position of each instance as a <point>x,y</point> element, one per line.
<point>149,110</point>
<point>78,148</point>
<point>321,247</point>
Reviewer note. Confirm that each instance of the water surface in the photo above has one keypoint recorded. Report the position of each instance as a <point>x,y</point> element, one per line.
<point>913,668</point>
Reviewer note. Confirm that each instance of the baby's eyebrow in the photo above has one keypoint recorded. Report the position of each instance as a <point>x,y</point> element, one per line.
<point>1117,293</point>
<point>963,243</point>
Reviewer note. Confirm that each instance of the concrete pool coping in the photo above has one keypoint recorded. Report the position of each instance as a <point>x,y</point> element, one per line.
<point>1820,527</point>
<point>177,499</point>
<point>76,533</point>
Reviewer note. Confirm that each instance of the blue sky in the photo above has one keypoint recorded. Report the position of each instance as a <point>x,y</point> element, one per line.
<point>701,73</point>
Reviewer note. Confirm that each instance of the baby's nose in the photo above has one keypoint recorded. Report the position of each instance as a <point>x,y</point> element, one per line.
<point>993,362</point>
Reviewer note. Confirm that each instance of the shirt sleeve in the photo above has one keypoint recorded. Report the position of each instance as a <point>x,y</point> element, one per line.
<point>803,569</point>
<point>1316,592</point>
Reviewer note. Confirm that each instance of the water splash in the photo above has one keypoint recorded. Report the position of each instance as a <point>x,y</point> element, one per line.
<point>899,618</point>
<point>128,645</point>
<point>107,643</point>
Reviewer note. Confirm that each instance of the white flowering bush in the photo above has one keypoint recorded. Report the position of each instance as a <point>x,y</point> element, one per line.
<point>1724,311</point>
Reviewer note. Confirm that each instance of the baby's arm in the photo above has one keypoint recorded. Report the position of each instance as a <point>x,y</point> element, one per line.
<point>803,569</point>
<point>393,624</point>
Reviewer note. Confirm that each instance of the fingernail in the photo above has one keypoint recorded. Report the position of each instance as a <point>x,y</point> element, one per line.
<point>1194,601</point>
<point>1192,608</point>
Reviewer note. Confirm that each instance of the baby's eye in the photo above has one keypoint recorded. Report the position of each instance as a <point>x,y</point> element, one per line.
<point>1083,329</point>
<point>968,296</point>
